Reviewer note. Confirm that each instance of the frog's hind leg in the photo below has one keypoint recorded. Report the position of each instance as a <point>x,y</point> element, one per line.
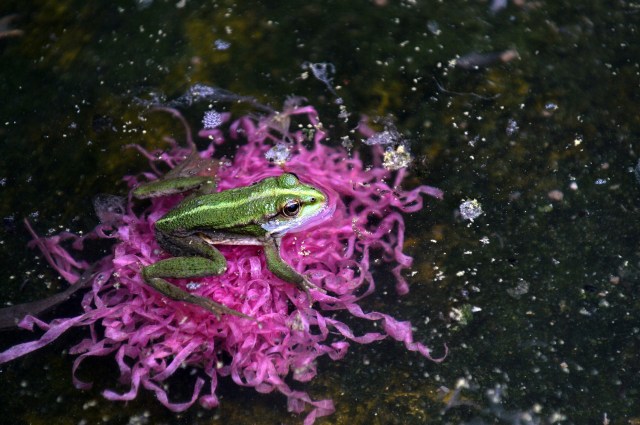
<point>211,263</point>
<point>165,187</point>
<point>151,278</point>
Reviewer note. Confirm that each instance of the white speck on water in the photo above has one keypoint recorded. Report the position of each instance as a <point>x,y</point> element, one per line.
<point>221,44</point>
<point>601,181</point>
<point>550,106</point>
<point>474,141</point>
<point>346,142</point>
<point>434,28</point>
<point>512,127</point>
<point>192,286</point>
<point>555,195</point>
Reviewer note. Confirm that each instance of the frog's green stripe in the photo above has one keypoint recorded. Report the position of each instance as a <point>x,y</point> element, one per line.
<point>266,196</point>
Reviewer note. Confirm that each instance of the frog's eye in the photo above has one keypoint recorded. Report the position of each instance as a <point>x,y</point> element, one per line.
<point>291,208</point>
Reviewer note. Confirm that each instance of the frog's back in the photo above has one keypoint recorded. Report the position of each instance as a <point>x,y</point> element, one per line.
<point>245,210</point>
<point>228,210</point>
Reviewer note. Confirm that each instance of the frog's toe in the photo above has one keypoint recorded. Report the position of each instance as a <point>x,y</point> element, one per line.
<point>308,285</point>
<point>216,308</point>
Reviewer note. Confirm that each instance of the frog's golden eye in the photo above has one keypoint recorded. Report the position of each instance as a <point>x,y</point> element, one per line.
<point>291,208</point>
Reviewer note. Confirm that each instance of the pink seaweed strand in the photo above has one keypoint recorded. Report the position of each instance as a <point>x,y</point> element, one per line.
<point>151,337</point>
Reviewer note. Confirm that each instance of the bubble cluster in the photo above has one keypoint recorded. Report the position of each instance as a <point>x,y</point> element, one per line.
<point>212,119</point>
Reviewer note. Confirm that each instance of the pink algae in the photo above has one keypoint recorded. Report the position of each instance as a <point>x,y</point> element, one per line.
<point>151,337</point>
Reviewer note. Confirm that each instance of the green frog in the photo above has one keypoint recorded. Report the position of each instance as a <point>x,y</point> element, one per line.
<point>260,214</point>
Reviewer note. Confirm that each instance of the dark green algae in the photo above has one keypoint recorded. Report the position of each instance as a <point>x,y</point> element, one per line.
<point>566,350</point>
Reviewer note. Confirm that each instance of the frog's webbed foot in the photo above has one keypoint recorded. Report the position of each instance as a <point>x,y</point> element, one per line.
<point>306,285</point>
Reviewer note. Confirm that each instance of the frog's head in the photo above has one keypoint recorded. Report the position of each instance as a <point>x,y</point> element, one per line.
<point>297,205</point>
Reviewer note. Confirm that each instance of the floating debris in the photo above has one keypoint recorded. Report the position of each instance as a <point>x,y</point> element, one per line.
<point>386,137</point>
<point>143,4</point>
<point>6,27</point>
<point>390,134</point>
<point>497,5</point>
<point>396,158</point>
<point>346,142</point>
<point>323,71</point>
<point>109,209</point>
<point>464,314</point>
<point>470,209</point>
<point>278,154</point>
<point>475,60</point>
<point>202,92</point>
<point>521,288</point>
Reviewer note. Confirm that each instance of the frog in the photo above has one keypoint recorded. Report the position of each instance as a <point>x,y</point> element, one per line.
<point>259,214</point>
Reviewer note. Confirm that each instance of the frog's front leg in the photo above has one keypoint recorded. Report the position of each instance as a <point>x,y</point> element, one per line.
<point>209,262</point>
<point>277,266</point>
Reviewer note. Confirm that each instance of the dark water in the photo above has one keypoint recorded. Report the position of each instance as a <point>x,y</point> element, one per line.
<point>537,299</point>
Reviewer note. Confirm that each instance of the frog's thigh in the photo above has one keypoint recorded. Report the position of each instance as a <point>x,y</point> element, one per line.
<point>180,267</point>
<point>193,257</point>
